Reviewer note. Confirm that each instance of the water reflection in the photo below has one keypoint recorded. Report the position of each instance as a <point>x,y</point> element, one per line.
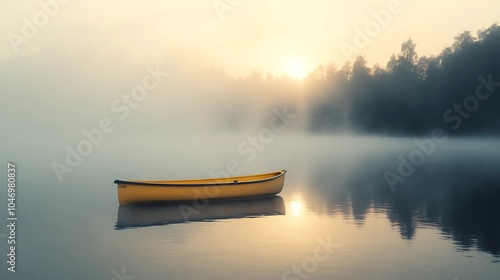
<point>457,194</point>
<point>134,216</point>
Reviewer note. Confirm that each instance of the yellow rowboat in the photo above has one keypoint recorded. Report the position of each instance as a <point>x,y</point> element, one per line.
<point>199,190</point>
<point>136,216</point>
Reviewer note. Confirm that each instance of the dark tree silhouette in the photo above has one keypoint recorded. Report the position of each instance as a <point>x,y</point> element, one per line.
<point>413,95</point>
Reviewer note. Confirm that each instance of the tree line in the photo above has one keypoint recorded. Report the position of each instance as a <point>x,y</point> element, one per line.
<point>457,90</point>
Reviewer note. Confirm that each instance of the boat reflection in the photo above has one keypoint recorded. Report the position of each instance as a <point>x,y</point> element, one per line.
<point>135,216</point>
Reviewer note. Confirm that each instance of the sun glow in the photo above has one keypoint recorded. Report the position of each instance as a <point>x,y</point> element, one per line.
<point>296,207</point>
<point>296,69</point>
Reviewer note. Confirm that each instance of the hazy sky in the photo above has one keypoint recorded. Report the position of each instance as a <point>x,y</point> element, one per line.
<point>277,36</point>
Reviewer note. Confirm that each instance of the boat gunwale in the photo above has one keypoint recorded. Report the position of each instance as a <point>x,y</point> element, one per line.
<point>146,183</point>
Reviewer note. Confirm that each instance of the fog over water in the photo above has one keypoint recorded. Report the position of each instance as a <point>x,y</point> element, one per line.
<point>438,223</point>
<point>335,188</point>
<point>392,154</point>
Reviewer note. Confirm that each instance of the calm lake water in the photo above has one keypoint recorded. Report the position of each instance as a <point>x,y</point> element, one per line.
<point>337,217</point>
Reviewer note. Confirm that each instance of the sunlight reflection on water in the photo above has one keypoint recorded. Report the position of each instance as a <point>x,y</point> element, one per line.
<point>442,222</point>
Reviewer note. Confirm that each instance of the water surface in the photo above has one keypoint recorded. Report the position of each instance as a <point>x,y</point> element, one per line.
<point>337,217</point>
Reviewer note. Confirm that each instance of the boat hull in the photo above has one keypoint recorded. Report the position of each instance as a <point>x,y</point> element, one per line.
<point>261,185</point>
